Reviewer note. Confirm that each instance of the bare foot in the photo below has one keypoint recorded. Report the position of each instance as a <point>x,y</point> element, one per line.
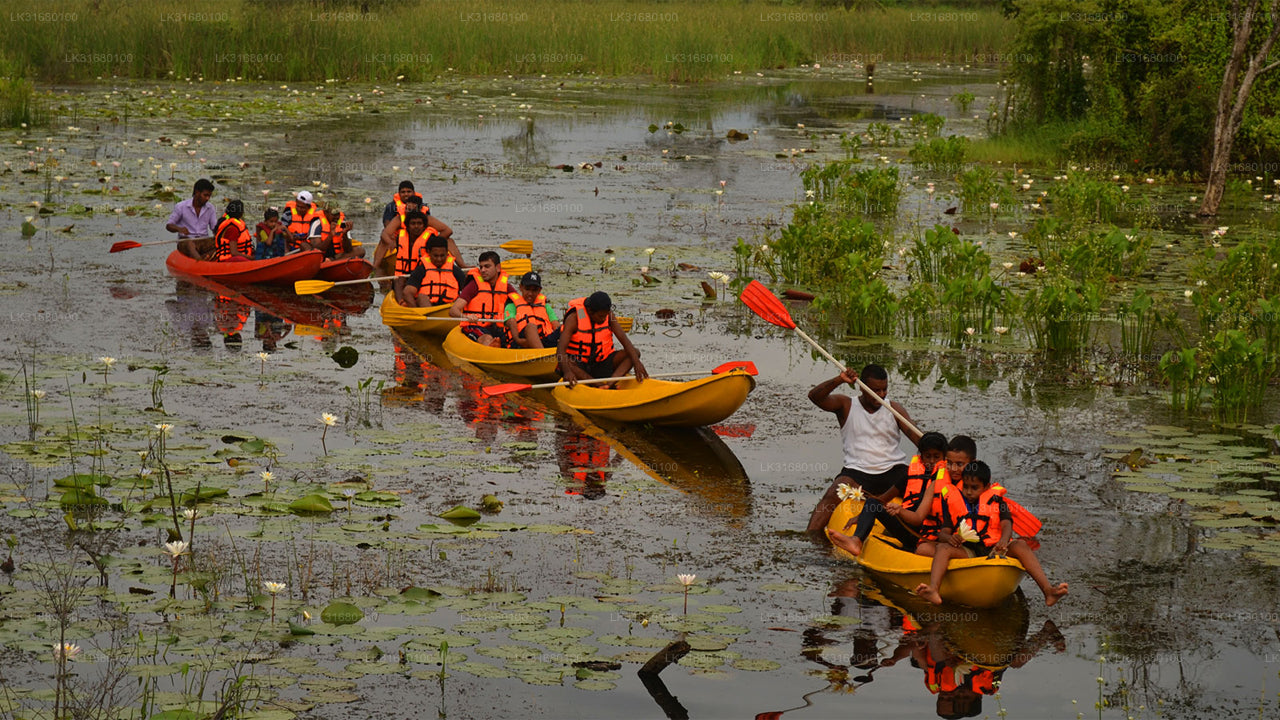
<point>1054,594</point>
<point>928,593</point>
<point>845,542</point>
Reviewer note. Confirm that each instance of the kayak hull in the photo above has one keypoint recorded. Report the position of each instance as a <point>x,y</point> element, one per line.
<point>272,271</point>
<point>976,582</point>
<point>344,269</point>
<point>414,319</point>
<point>694,403</point>
<point>536,365</point>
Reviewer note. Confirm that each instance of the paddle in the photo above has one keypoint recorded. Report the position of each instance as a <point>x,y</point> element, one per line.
<point>519,247</point>
<point>492,390</point>
<point>767,305</point>
<point>312,287</point>
<point>129,244</point>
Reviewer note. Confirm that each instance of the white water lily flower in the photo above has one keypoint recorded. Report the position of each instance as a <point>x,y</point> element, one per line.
<point>969,331</point>
<point>165,429</point>
<point>809,194</point>
<point>37,394</point>
<point>106,360</point>
<point>994,206</point>
<point>1124,188</point>
<point>1213,380</point>
<point>1187,294</point>
<point>190,513</point>
<point>686,580</point>
<point>845,491</point>
<point>267,476</point>
<point>329,419</point>
<point>650,251</point>
<point>65,651</point>
<point>966,532</point>
<point>1007,265</point>
<point>264,356</point>
<point>1012,234</point>
<point>644,269</point>
<point>273,587</point>
<point>176,548</point>
<point>1000,329</point>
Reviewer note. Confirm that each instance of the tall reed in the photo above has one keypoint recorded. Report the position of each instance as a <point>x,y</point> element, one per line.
<point>297,40</point>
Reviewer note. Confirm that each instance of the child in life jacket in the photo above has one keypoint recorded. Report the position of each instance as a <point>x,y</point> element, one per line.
<point>961,451</point>
<point>982,525</point>
<point>926,474</point>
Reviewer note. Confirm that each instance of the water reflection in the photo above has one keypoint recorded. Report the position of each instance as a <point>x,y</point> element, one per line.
<point>962,653</point>
<point>200,305</point>
<point>586,462</point>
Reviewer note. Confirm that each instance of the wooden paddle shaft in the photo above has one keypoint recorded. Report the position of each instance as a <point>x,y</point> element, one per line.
<point>862,385</point>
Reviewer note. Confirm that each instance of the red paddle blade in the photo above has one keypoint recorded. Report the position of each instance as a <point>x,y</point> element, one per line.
<point>493,390</point>
<point>124,245</point>
<point>744,365</point>
<point>767,305</point>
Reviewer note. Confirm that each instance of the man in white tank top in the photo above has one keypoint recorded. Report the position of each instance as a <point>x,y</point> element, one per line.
<point>871,435</point>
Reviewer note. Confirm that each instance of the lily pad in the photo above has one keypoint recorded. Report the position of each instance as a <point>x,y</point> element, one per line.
<point>461,512</point>
<point>341,613</point>
<point>755,664</point>
<point>311,504</point>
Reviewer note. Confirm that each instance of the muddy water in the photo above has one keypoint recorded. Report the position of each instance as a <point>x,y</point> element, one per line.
<point>1184,631</point>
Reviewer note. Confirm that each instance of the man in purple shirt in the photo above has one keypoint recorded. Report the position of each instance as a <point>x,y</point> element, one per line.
<point>195,218</point>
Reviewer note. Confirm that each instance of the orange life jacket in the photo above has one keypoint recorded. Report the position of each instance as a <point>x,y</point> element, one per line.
<point>535,312</point>
<point>410,250</point>
<point>985,520</point>
<point>981,681</point>
<point>400,206</point>
<point>339,235</point>
<point>490,299</point>
<point>918,477</point>
<point>231,233</point>
<point>439,284</point>
<point>299,222</point>
<point>938,676</point>
<point>589,343</point>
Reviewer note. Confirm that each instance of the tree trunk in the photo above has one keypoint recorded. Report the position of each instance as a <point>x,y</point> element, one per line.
<point>1233,96</point>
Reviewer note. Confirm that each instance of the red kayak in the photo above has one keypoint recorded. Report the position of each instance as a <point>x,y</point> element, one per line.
<point>344,269</point>
<point>273,271</point>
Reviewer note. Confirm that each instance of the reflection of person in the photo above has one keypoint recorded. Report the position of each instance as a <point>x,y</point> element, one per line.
<point>871,436</point>
<point>585,462</point>
<point>586,349</point>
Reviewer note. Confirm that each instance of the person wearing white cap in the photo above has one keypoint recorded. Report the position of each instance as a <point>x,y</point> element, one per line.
<point>302,220</point>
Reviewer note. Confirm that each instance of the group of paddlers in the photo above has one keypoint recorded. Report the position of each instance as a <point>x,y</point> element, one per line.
<point>940,503</point>
<point>428,271</point>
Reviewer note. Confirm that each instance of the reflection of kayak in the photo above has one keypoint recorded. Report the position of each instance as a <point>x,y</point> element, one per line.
<point>988,637</point>
<point>695,461</point>
<point>977,582</point>
<point>344,269</point>
<point>399,317</point>
<point>272,271</point>
<point>537,365</point>
<point>697,402</point>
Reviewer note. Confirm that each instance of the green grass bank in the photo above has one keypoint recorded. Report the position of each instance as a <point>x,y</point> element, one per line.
<point>378,41</point>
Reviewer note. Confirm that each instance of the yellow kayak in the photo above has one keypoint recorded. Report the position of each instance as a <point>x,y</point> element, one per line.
<point>395,315</point>
<point>704,401</point>
<point>537,365</point>
<point>976,582</point>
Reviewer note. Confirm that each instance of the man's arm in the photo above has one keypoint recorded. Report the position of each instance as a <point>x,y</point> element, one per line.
<point>821,395</point>
<point>912,435</point>
<point>630,349</point>
<point>445,231</point>
<point>562,348</point>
